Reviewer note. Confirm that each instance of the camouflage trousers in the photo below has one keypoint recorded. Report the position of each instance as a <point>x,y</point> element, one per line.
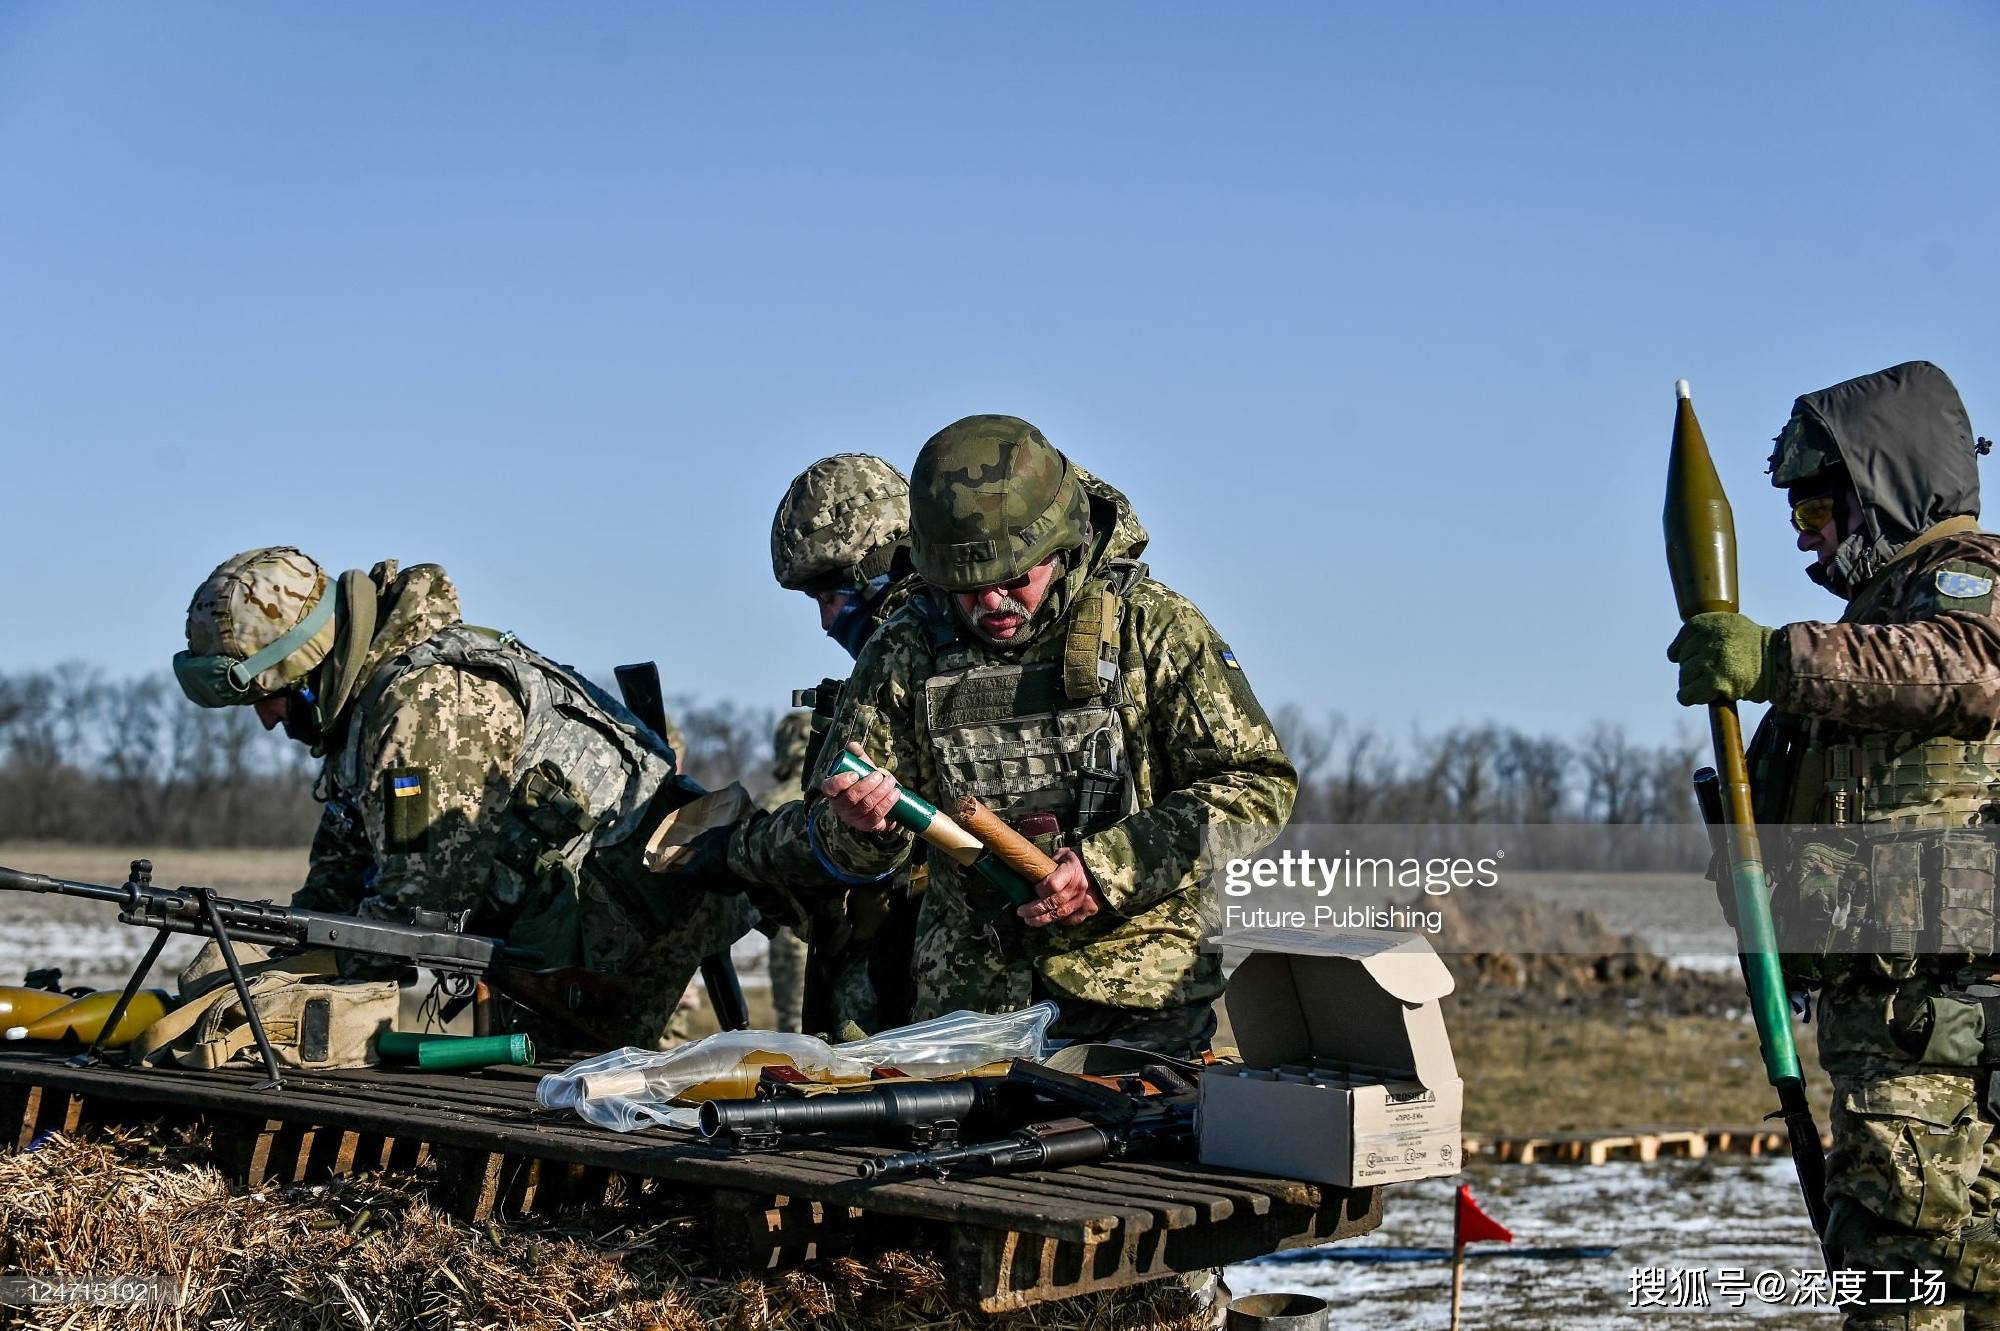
<point>1913,1180</point>
<point>788,979</point>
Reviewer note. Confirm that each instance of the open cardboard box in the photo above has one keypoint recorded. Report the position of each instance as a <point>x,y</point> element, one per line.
<point>1365,1003</point>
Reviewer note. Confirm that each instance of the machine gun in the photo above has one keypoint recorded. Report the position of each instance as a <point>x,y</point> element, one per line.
<point>588,1002</point>
<point>1066,1141</point>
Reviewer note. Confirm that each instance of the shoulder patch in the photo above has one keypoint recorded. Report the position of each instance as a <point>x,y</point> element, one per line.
<point>1229,659</point>
<point>1960,585</point>
<point>406,811</point>
<point>1964,586</point>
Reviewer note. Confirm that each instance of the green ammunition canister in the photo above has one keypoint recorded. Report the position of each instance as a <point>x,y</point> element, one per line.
<point>437,1052</point>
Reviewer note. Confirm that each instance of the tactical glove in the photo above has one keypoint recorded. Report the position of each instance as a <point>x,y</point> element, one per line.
<point>1723,658</point>
<point>704,866</point>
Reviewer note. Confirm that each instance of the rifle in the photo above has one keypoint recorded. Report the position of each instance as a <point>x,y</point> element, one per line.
<point>1701,556</point>
<point>640,684</point>
<point>588,1002</point>
<point>1116,1118</point>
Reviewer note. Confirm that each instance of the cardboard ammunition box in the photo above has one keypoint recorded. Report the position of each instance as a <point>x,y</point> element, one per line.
<point>1347,1073</point>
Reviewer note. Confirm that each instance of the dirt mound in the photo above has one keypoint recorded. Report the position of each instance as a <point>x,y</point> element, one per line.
<point>372,1252</point>
<point>1508,947</point>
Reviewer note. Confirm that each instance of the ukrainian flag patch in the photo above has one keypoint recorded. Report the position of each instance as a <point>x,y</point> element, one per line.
<point>406,815</point>
<point>1229,659</point>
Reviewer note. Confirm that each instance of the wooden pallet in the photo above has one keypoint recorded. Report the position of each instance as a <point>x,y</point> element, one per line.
<point>1008,1241</point>
<point>1647,1144</point>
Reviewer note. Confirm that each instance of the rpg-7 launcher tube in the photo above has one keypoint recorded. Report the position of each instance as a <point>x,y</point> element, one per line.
<point>879,1107</point>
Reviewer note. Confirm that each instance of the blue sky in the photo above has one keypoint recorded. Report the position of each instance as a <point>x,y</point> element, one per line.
<point>1373,311</point>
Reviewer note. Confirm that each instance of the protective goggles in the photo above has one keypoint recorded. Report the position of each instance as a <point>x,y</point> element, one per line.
<point>220,680</point>
<point>1809,515</point>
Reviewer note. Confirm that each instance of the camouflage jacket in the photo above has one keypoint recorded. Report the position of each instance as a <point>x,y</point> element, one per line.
<point>771,849</point>
<point>1202,757</point>
<point>1904,657</point>
<point>458,734</point>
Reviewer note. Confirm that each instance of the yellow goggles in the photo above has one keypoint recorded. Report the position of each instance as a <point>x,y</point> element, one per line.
<point>1809,515</point>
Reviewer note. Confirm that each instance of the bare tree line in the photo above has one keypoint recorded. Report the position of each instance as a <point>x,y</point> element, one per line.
<point>92,760</point>
<point>1353,774</point>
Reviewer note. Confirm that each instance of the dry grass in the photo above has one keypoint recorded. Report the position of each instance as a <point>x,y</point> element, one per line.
<point>1570,1070</point>
<point>372,1254</point>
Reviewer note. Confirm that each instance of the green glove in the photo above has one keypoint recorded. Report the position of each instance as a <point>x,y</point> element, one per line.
<point>1723,658</point>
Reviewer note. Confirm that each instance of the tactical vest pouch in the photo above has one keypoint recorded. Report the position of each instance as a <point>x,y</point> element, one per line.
<point>546,828</point>
<point>312,1022</point>
<point>1895,918</point>
<point>1090,646</point>
<point>1815,903</point>
<point>1965,895</point>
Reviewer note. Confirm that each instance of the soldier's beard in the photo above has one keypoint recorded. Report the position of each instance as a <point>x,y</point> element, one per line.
<point>1009,609</point>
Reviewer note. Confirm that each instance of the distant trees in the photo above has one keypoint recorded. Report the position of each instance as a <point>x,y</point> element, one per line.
<point>87,759</point>
<point>1352,773</point>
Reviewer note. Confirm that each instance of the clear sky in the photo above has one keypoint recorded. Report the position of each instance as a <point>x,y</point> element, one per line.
<point>1373,310</point>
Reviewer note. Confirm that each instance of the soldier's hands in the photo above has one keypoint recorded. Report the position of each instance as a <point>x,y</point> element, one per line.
<point>1067,896</point>
<point>862,802</point>
<point>1723,658</point>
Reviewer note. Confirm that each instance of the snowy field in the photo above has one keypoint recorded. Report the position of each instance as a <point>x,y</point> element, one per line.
<point>1694,1215</point>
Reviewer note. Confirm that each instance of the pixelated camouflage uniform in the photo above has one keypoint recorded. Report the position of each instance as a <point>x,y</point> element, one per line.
<point>843,526</point>
<point>460,731</point>
<point>1878,757</point>
<point>1201,761</point>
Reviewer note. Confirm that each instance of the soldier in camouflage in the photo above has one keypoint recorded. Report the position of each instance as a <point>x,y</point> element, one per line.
<point>840,536</point>
<point>1041,670</point>
<point>1880,775</point>
<point>788,950</point>
<point>463,771</point>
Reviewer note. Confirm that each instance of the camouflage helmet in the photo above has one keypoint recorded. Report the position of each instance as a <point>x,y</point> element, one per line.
<point>990,498</point>
<point>1804,452</point>
<point>789,744</point>
<point>248,605</point>
<point>840,523</point>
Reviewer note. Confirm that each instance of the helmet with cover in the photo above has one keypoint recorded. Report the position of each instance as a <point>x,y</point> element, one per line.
<point>840,524</point>
<point>259,624</point>
<point>990,498</point>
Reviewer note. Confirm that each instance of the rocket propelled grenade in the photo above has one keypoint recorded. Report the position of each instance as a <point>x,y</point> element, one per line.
<point>939,829</point>
<point>1701,556</point>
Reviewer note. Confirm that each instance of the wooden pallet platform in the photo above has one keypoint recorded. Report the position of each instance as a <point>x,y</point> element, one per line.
<point>1008,1241</point>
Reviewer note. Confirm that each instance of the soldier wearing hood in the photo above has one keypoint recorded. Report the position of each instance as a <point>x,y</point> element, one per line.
<point>1041,670</point>
<point>463,770</point>
<point>1879,772</point>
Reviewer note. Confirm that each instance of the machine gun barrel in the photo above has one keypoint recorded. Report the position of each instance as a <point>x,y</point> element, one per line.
<point>593,1004</point>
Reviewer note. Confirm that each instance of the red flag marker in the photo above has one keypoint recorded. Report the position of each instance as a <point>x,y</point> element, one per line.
<point>1473,1225</point>
<point>1469,1224</point>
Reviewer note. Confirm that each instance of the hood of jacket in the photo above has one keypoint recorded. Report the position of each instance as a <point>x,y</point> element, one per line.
<point>1907,445</point>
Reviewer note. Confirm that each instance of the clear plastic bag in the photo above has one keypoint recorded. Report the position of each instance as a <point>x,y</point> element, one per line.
<point>628,1089</point>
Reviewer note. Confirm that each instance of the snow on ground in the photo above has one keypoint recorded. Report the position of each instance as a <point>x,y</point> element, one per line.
<point>1723,1212</point>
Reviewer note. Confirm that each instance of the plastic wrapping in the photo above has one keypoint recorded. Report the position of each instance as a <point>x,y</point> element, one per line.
<point>628,1089</point>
